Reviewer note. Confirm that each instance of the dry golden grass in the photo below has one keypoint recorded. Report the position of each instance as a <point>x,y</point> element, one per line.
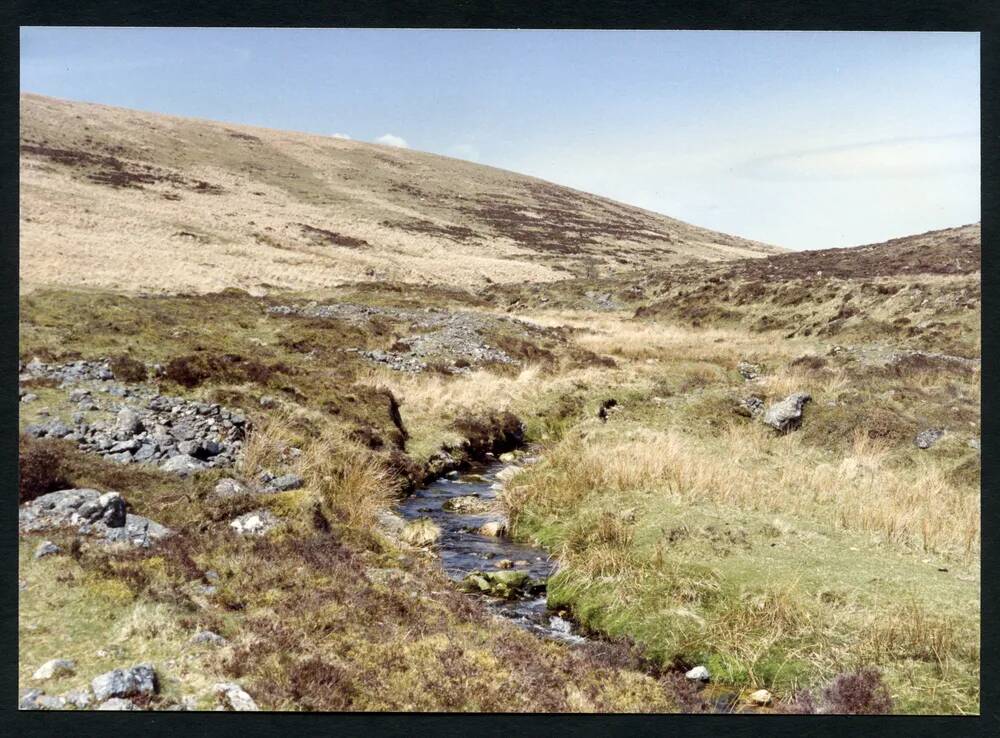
<point>750,468</point>
<point>249,235</point>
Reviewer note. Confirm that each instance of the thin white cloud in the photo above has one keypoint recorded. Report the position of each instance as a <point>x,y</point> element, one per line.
<point>872,160</point>
<point>340,135</point>
<point>391,140</point>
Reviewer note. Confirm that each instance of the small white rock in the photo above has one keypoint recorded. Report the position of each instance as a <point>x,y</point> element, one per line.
<point>233,697</point>
<point>698,673</point>
<point>55,668</point>
<point>760,697</point>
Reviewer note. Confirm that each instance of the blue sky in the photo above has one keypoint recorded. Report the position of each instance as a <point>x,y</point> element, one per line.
<point>805,140</point>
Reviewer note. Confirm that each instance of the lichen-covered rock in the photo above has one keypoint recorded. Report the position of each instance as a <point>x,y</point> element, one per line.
<point>117,703</point>
<point>467,504</point>
<point>233,697</point>
<point>46,548</point>
<point>786,416</point>
<point>229,487</point>
<point>927,438</point>
<point>91,513</point>
<point>421,532</point>
<point>54,668</point>
<point>207,637</point>
<point>183,465</point>
<point>79,698</point>
<point>255,523</point>
<point>698,674</point>
<point>137,680</point>
<point>506,584</point>
<point>286,482</point>
<point>493,528</point>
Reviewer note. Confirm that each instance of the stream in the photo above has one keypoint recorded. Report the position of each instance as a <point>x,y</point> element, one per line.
<point>463,550</point>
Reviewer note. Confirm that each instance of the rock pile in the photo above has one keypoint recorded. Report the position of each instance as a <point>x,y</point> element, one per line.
<point>438,335</point>
<point>182,436</point>
<point>102,516</point>
<point>77,371</point>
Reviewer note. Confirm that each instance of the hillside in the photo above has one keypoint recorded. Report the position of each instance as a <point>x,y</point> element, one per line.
<point>920,292</point>
<point>148,202</point>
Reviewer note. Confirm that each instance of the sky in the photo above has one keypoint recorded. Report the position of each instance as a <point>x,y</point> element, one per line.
<point>800,139</point>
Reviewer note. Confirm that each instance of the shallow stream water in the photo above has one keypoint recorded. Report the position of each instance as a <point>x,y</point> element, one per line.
<point>462,549</point>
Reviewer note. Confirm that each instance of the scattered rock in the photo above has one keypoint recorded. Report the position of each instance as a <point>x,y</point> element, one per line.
<point>927,438</point>
<point>90,513</point>
<point>505,564</point>
<point>183,465</point>
<point>255,523</point>
<point>286,482</point>
<point>698,674</point>
<point>750,407</point>
<point>79,698</point>
<point>128,422</point>
<point>233,697</point>
<point>229,487</point>
<point>390,523</point>
<point>507,457</point>
<point>117,703</point>
<point>29,700</point>
<point>46,548</point>
<point>137,531</point>
<point>508,473</point>
<point>113,507</point>
<point>29,397</point>
<point>209,638</point>
<point>267,401</point>
<point>760,697</point>
<point>138,680</point>
<point>748,371</point>
<point>786,416</point>
<point>55,668</point>
<point>421,532</point>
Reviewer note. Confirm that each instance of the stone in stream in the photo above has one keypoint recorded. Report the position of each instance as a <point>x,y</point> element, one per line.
<point>506,584</point>
<point>507,473</point>
<point>468,504</point>
<point>493,529</point>
<point>421,532</point>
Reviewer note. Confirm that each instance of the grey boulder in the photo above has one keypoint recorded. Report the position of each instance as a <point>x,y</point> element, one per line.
<point>54,668</point>
<point>138,680</point>
<point>182,464</point>
<point>786,415</point>
<point>927,438</point>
